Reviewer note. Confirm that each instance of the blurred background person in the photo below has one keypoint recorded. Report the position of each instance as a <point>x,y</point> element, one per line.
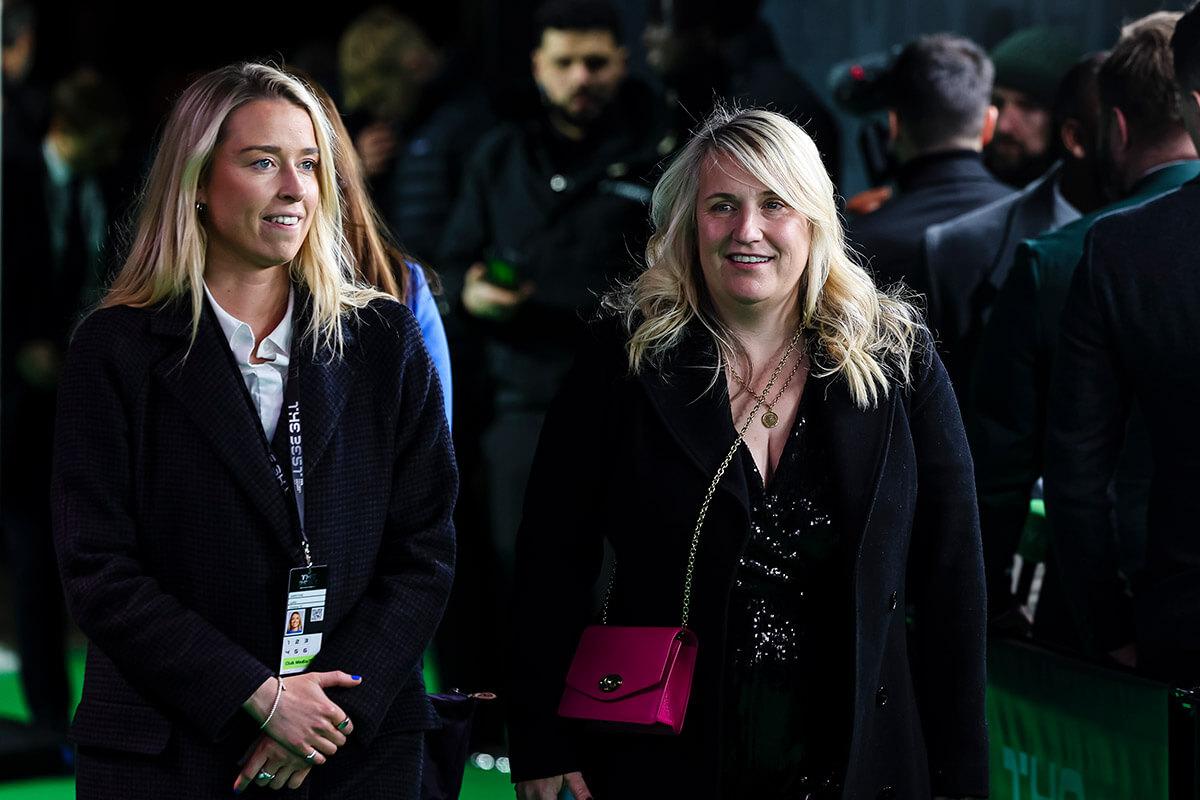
<point>57,221</point>
<point>550,211</point>
<point>939,117</point>
<point>704,54</point>
<point>966,260</point>
<point>1143,151</point>
<point>1029,66</point>
<point>549,214</point>
<point>1130,323</point>
<point>378,260</point>
<point>26,101</point>
<point>416,112</point>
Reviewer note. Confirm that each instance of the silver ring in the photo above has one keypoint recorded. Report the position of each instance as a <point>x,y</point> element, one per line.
<point>311,757</point>
<point>265,776</point>
<point>341,726</point>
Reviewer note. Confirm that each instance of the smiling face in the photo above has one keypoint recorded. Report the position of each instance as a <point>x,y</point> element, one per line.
<point>261,190</point>
<point>753,246</point>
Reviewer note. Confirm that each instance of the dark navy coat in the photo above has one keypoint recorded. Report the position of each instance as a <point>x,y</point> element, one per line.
<point>175,542</point>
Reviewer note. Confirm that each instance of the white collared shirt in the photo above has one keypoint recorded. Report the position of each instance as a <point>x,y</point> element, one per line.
<point>265,381</point>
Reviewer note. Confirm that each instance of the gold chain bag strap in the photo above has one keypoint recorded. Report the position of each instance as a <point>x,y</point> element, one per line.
<point>640,677</point>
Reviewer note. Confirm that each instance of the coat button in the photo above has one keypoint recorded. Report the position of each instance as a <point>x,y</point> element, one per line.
<point>893,601</point>
<point>558,183</point>
<point>887,793</point>
<point>881,697</point>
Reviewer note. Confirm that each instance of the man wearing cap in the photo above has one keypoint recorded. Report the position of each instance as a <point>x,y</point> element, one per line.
<point>1029,64</point>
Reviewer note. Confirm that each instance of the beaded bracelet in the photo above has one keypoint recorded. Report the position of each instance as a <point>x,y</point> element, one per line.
<point>275,705</point>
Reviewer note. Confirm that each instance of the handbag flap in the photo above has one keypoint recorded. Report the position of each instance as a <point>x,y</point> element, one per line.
<point>613,662</point>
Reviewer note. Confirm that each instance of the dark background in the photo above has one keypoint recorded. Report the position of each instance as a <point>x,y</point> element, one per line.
<point>154,49</point>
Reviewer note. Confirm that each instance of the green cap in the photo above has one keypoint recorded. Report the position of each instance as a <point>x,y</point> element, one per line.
<point>1034,60</point>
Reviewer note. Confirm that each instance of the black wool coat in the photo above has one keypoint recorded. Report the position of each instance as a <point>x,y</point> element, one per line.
<point>175,542</point>
<point>1128,340</point>
<point>628,460</point>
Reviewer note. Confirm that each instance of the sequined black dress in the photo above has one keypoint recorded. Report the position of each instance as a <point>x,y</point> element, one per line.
<point>788,694</point>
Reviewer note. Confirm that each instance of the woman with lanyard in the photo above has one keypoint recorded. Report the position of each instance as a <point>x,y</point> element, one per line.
<point>246,434</point>
<point>771,447</point>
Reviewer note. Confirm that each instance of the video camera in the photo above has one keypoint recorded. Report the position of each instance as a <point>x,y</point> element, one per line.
<point>860,87</point>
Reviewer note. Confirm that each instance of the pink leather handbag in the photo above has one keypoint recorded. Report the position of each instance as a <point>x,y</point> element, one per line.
<point>638,676</point>
<point>641,677</point>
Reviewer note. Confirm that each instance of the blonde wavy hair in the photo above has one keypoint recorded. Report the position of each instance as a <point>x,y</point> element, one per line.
<point>166,259</point>
<point>860,334</point>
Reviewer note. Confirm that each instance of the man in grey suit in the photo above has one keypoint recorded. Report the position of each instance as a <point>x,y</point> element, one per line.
<point>966,259</point>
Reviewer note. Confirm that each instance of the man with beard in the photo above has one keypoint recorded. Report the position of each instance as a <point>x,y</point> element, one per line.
<point>552,210</point>
<point>1145,152</point>
<point>1029,65</point>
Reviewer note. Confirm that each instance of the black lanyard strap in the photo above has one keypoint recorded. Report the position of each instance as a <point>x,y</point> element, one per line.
<point>294,444</point>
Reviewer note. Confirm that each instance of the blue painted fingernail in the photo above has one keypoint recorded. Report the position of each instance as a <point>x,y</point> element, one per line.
<point>356,677</point>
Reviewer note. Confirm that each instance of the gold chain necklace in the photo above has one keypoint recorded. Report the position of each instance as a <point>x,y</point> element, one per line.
<point>770,419</point>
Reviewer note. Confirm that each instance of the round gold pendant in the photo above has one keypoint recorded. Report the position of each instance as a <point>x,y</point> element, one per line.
<point>770,419</point>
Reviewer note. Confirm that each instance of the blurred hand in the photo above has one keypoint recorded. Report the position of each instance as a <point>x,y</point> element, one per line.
<point>268,755</point>
<point>489,301</point>
<point>376,144</point>
<point>868,200</point>
<point>305,719</point>
<point>549,788</point>
<point>39,363</point>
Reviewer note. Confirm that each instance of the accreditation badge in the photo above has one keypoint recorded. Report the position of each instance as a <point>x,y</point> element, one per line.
<point>304,620</point>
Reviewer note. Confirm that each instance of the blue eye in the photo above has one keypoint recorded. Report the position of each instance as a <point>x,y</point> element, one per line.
<point>774,205</point>
<point>722,207</point>
<point>308,164</point>
<point>263,163</point>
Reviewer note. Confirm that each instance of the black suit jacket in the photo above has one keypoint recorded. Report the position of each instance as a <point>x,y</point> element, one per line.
<point>175,541</point>
<point>628,460</point>
<point>965,261</point>
<point>1129,332</point>
<point>929,189</point>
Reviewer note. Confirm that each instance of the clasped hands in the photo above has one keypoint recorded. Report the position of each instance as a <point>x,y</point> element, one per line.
<point>305,720</point>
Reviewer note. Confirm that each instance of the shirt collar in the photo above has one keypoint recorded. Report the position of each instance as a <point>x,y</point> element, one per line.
<point>275,347</point>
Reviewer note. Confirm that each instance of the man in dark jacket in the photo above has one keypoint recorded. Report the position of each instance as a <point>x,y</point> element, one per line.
<point>938,119</point>
<point>1129,332</point>
<point>58,210</point>
<point>1146,153</point>
<point>967,259</point>
<point>551,211</point>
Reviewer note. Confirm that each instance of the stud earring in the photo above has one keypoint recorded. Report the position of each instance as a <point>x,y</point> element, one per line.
<point>201,207</point>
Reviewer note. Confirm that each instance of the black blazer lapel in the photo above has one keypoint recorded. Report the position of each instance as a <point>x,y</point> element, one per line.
<point>205,381</point>
<point>323,382</point>
<point>858,449</point>
<point>697,417</point>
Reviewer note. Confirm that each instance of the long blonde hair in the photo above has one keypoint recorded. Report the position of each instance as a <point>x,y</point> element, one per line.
<point>166,260</point>
<point>861,334</point>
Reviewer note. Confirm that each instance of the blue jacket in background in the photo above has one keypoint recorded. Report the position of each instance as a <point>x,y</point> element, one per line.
<point>424,308</point>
